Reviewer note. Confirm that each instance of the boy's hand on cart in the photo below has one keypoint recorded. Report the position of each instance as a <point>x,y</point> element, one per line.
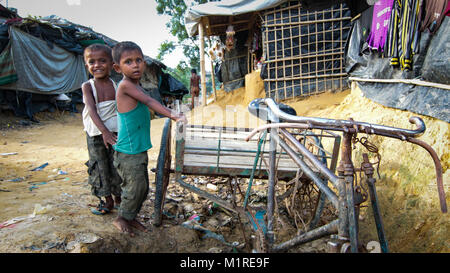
<point>181,117</point>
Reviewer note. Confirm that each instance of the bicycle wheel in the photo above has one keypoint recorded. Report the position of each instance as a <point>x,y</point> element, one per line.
<point>162,172</point>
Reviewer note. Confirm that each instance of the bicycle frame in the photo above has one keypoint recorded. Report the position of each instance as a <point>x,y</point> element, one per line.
<point>346,226</point>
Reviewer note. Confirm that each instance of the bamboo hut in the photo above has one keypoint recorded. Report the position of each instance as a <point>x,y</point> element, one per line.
<point>299,47</point>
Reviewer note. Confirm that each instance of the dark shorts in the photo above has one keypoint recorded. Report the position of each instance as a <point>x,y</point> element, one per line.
<point>103,176</point>
<point>133,171</point>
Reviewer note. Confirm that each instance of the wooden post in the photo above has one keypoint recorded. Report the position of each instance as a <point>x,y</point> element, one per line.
<point>213,81</point>
<point>213,77</point>
<point>202,62</point>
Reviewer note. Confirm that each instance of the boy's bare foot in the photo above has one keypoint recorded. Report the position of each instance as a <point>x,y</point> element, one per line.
<point>121,224</point>
<point>139,226</point>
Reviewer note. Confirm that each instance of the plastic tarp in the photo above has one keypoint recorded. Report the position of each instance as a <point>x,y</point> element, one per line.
<point>194,14</point>
<point>431,64</point>
<point>43,69</point>
<point>7,71</point>
<point>172,87</point>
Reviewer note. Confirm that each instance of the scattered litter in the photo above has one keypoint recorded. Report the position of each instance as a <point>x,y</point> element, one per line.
<point>168,214</point>
<point>13,221</point>
<point>40,167</point>
<point>211,187</point>
<point>374,247</point>
<point>210,234</point>
<point>259,216</point>
<point>195,217</point>
<point>66,194</point>
<point>5,190</point>
<point>35,185</point>
<point>172,199</point>
<point>38,209</point>
<point>210,210</point>
<point>193,224</point>
<point>46,245</point>
<point>188,207</point>
<point>212,222</point>
<point>226,220</point>
<point>62,172</point>
<point>5,154</point>
<point>18,179</point>
<point>214,250</point>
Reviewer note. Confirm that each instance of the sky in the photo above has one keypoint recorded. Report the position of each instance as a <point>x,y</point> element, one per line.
<point>132,20</point>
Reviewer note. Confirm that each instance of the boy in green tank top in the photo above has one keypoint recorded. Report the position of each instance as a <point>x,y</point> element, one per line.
<point>133,140</point>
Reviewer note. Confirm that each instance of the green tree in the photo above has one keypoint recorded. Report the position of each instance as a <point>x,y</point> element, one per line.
<point>176,9</point>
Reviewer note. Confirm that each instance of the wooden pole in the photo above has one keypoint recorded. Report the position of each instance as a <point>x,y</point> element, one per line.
<point>213,77</point>
<point>202,62</point>
<point>213,81</point>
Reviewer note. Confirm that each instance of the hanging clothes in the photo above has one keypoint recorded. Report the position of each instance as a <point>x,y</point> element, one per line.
<point>380,24</point>
<point>435,11</point>
<point>403,35</point>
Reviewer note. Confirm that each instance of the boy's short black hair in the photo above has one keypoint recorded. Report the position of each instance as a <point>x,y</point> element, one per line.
<point>101,47</point>
<point>121,47</point>
<point>193,70</point>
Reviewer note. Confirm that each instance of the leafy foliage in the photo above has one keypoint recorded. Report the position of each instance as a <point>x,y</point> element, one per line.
<point>176,10</point>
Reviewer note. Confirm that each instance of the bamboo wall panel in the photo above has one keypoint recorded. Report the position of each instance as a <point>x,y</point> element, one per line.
<point>304,50</point>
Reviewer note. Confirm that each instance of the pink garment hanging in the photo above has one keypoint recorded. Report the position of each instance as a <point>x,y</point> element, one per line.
<point>380,24</point>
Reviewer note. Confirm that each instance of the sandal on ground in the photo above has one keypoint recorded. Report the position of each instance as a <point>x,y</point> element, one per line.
<point>101,209</point>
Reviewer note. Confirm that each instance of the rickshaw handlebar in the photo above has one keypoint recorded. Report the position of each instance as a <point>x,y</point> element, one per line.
<point>274,114</point>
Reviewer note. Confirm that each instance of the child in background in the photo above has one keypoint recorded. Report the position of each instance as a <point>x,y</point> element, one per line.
<point>133,140</point>
<point>100,124</point>
<point>195,89</point>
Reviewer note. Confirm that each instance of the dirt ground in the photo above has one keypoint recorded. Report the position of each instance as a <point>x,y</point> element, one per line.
<point>48,210</point>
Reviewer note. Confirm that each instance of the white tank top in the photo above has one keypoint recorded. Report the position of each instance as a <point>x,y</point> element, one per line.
<point>107,110</point>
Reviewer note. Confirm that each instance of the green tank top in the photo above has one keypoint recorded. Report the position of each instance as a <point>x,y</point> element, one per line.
<point>133,130</point>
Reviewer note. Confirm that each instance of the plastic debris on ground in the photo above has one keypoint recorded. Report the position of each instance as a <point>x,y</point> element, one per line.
<point>260,219</point>
<point>40,167</point>
<point>193,224</point>
<point>35,185</point>
<point>18,179</point>
<point>38,209</point>
<point>6,154</point>
<point>83,238</point>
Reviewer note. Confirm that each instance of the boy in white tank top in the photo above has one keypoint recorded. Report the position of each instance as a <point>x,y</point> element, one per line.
<point>100,124</point>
